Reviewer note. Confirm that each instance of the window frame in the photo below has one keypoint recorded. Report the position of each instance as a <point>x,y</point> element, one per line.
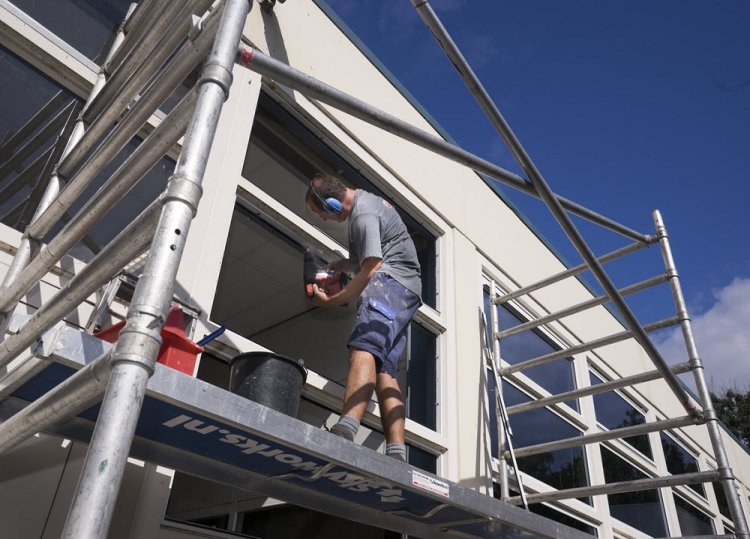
<point>632,402</point>
<point>626,457</point>
<point>521,380</point>
<point>241,190</point>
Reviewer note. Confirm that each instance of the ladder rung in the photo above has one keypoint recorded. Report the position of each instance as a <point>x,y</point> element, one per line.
<point>624,432</point>
<point>622,486</point>
<point>135,26</point>
<point>128,244</point>
<point>26,176</point>
<point>57,150</point>
<point>568,273</point>
<point>585,347</point>
<point>648,283</point>
<point>155,46</point>
<point>54,125</point>
<point>595,389</point>
<point>130,172</point>
<point>9,145</point>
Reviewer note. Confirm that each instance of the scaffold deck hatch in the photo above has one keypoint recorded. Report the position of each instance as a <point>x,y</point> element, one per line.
<point>75,385</point>
<point>192,426</point>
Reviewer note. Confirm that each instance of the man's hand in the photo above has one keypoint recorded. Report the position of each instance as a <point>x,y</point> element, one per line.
<point>319,298</point>
<point>370,266</point>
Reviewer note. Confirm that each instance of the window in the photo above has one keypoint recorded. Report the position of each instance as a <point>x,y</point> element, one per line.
<point>549,512</point>
<point>679,461</point>
<point>721,499</point>
<point>291,521</point>
<point>562,518</point>
<point>28,132</point>
<point>561,469</point>
<point>692,520</point>
<point>640,509</point>
<point>282,156</point>
<point>556,376</point>
<point>260,296</point>
<point>126,210</point>
<point>88,25</point>
<point>419,382</point>
<point>614,412</point>
<point>29,91</point>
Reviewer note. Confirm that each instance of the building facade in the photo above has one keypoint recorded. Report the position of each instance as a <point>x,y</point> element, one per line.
<point>242,269</point>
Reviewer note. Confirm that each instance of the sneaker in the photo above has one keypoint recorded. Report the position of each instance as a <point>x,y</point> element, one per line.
<point>398,456</point>
<point>342,432</point>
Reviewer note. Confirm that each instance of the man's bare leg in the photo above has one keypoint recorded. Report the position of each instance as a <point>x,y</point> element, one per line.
<point>392,410</point>
<point>360,384</point>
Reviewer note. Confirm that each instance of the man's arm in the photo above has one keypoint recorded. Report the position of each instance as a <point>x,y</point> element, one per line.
<point>353,290</point>
<point>342,264</point>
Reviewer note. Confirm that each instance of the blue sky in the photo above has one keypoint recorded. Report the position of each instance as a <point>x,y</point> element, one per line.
<point>625,107</point>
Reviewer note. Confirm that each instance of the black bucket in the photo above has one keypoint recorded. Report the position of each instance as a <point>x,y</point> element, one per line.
<point>268,379</point>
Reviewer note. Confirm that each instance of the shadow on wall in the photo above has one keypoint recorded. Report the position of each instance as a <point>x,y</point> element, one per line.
<point>274,38</point>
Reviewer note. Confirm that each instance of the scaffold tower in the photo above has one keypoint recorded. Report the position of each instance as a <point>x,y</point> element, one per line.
<point>62,380</point>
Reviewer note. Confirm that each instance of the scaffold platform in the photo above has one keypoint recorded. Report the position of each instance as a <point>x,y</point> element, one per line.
<point>203,430</point>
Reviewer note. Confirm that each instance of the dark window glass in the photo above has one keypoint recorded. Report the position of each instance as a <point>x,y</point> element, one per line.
<point>30,91</point>
<point>640,509</point>
<point>721,499</point>
<point>556,376</point>
<point>562,518</point>
<point>283,154</point>
<point>692,520</point>
<point>206,504</point>
<point>679,461</point>
<point>420,362</point>
<point>260,296</point>
<point>561,469</point>
<point>549,512</point>
<point>422,459</point>
<point>88,25</point>
<point>36,112</point>
<point>291,521</point>
<point>614,412</point>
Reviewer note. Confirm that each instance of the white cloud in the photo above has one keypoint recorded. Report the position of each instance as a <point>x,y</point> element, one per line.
<point>722,336</point>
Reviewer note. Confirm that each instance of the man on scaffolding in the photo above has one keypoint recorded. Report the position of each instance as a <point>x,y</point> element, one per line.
<point>387,287</point>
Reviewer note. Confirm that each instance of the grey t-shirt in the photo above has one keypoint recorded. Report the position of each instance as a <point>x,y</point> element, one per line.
<point>376,230</point>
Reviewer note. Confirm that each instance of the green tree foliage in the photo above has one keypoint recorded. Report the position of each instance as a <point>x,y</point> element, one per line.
<point>733,408</point>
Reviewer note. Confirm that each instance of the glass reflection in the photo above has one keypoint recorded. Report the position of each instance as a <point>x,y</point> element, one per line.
<point>721,499</point>
<point>640,509</point>
<point>87,25</point>
<point>679,461</point>
<point>693,521</point>
<point>556,376</point>
<point>561,469</point>
<point>614,412</point>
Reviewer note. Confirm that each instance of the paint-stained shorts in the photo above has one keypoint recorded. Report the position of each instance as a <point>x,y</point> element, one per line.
<point>384,311</point>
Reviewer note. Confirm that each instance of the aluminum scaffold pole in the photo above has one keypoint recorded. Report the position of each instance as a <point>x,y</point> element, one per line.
<point>726,477</point>
<point>134,355</point>
<point>551,200</point>
<point>282,73</point>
